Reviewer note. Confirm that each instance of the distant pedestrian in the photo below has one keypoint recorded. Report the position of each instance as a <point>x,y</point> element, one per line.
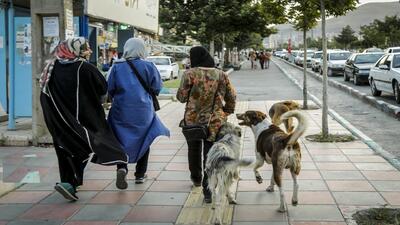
<point>261,58</point>
<point>253,58</point>
<point>267,59</point>
<point>132,115</point>
<point>210,98</point>
<point>71,93</point>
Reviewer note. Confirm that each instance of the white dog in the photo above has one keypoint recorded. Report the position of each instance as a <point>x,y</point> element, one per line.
<point>222,166</point>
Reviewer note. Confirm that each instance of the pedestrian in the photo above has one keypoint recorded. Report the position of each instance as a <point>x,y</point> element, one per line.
<point>253,58</point>
<point>261,57</point>
<point>132,115</point>
<point>267,59</point>
<point>71,93</point>
<point>205,89</point>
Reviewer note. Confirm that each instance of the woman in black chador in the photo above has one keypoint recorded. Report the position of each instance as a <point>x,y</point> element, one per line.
<point>71,101</point>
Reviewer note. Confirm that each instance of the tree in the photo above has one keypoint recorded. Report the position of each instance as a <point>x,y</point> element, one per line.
<point>330,8</point>
<point>382,33</point>
<point>346,37</point>
<point>304,17</point>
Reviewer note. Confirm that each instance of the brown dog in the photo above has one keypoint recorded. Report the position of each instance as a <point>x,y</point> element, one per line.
<point>279,108</point>
<point>276,147</point>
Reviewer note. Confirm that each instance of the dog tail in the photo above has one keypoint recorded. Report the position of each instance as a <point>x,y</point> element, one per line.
<point>301,127</point>
<point>234,163</point>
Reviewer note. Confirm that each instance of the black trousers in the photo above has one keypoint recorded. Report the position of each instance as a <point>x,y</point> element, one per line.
<point>197,149</point>
<point>262,64</point>
<point>70,167</point>
<point>141,165</point>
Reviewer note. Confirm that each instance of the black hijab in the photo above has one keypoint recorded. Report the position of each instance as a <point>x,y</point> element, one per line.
<point>200,57</point>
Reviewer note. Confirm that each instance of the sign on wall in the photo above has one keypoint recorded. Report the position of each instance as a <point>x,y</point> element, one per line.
<point>138,13</point>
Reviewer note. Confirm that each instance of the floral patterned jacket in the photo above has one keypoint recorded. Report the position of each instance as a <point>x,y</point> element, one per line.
<point>198,87</point>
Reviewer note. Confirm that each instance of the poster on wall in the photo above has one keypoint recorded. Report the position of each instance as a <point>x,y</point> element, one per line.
<point>27,40</point>
<point>51,27</point>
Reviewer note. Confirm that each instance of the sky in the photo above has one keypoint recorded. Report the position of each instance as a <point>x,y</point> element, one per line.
<point>367,1</point>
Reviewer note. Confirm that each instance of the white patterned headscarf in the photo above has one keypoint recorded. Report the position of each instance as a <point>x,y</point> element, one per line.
<point>134,48</point>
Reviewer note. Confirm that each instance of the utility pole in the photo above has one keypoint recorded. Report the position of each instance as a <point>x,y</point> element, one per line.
<point>51,23</point>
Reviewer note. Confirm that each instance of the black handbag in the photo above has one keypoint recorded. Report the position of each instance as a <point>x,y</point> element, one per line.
<point>153,95</point>
<point>197,132</point>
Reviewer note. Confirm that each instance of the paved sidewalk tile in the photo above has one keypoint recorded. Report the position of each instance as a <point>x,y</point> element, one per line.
<point>117,197</point>
<point>392,197</point>
<point>382,175</point>
<point>12,211</point>
<point>24,197</point>
<point>312,198</point>
<point>153,214</point>
<point>252,213</point>
<point>35,222</point>
<point>91,223</point>
<point>171,186</point>
<point>358,198</point>
<point>349,185</point>
<point>315,213</point>
<point>56,198</point>
<point>102,213</point>
<point>386,185</point>
<point>51,212</point>
<point>342,175</point>
<point>94,185</point>
<point>163,198</point>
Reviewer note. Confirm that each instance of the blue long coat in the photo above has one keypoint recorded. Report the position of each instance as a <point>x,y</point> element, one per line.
<point>132,115</point>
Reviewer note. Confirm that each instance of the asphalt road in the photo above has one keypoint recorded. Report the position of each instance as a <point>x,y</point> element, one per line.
<point>272,84</point>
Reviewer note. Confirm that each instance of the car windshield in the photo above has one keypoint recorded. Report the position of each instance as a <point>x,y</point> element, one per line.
<point>317,55</point>
<point>396,61</point>
<point>159,61</point>
<point>370,58</point>
<point>339,56</point>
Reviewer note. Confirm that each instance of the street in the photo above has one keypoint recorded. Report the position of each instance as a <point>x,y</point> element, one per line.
<point>382,128</point>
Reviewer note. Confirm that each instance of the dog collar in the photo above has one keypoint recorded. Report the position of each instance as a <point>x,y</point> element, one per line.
<point>260,127</point>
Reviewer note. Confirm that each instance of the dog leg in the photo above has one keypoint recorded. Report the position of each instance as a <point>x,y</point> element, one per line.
<point>259,163</point>
<point>220,200</point>
<point>270,188</point>
<point>278,170</point>
<point>229,193</point>
<point>295,189</point>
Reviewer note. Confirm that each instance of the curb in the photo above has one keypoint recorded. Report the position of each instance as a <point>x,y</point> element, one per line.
<point>388,108</point>
<point>346,124</point>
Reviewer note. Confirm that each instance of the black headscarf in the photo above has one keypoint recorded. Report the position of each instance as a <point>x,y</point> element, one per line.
<point>200,57</point>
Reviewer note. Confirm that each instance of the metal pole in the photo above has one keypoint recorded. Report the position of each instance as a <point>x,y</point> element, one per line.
<point>11,50</point>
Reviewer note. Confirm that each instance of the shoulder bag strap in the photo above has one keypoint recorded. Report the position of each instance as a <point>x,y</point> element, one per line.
<point>137,74</point>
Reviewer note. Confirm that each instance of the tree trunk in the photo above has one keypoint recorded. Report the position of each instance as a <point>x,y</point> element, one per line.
<point>325,129</point>
<point>305,105</point>
<point>223,52</point>
<point>212,47</point>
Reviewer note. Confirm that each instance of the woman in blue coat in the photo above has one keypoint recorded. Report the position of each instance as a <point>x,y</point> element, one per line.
<point>132,115</point>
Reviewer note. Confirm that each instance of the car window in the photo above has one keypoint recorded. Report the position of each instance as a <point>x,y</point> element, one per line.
<point>339,56</point>
<point>368,58</point>
<point>396,50</point>
<point>381,62</point>
<point>159,61</point>
<point>396,61</point>
<point>317,55</point>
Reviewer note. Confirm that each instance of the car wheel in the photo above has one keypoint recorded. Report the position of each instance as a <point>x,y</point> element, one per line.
<point>345,77</point>
<point>374,90</point>
<point>356,80</point>
<point>320,71</point>
<point>396,91</point>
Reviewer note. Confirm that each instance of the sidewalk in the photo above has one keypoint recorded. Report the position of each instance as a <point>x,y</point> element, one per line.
<point>336,179</point>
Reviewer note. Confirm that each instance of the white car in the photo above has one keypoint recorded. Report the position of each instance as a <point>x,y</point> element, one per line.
<point>392,50</point>
<point>300,60</point>
<point>385,76</point>
<point>316,61</point>
<point>166,65</point>
<point>336,61</point>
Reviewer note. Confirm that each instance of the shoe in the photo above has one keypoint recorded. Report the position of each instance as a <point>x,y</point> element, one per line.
<point>207,196</point>
<point>140,180</point>
<point>121,179</point>
<point>67,191</point>
<point>196,183</point>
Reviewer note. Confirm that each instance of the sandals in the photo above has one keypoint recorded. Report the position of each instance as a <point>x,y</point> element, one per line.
<point>67,191</point>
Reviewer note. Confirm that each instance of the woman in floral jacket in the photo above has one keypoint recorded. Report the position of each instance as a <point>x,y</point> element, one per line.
<point>199,86</point>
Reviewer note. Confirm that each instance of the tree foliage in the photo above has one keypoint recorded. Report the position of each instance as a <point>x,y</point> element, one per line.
<point>382,33</point>
<point>303,14</point>
<point>346,37</point>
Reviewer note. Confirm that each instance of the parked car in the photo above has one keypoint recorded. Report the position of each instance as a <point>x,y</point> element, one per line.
<point>300,61</point>
<point>358,66</point>
<point>392,50</point>
<point>370,50</point>
<point>316,61</point>
<point>166,65</point>
<point>336,61</point>
<point>385,76</point>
